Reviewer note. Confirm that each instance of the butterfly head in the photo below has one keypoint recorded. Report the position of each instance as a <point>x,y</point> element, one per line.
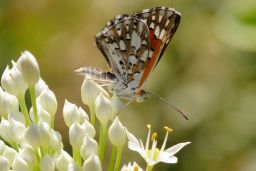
<point>142,96</point>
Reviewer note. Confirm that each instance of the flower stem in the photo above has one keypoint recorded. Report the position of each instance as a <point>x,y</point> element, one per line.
<point>24,109</point>
<point>76,156</point>
<point>118,158</point>
<point>102,142</point>
<point>149,168</point>
<point>93,115</point>
<point>52,121</point>
<point>112,159</point>
<point>32,92</point>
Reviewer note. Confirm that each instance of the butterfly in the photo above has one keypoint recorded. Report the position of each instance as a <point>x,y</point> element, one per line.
<point>132,46</point>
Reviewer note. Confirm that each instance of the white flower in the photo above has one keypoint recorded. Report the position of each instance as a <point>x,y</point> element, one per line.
<point>8,103</point>
<point>42,114</point>
<point>13,82</point>
<point>74,167</point>
<point>2,147</point>
<point>47,163</point>
<point>76,135</point>
<point>154,155</point>
<point>55,144</point>
<point>89,147</point>
<point>40,86</point>
<point>28,154</point>
<point>11,130</point>
<point>48,101</point>
<point>32,136</point>
<point>72,113</point>
<point>89,91</point>
<point>103,108</point>
<point>18,116</point>
<point>4,163</point>
<point>131,167</point>
<point>92,163</point>
<point>29,68</point>
<point>117,104</point>
<point>89,129</point>
<point>20,164</point>
<point>116,133</point>
<point>63,161</point>
<point>10,154</point>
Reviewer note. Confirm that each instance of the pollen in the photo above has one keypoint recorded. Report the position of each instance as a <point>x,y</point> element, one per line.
<point>168,129</point>
<point>153,137</point>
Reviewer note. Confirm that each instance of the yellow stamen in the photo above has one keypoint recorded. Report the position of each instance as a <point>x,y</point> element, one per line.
<point>168,129</point>
<point>136,167</point>
<point>153,137</point>
<point>149,126</point>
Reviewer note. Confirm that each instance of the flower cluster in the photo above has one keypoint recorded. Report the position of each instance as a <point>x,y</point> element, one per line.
<point>30,143</point>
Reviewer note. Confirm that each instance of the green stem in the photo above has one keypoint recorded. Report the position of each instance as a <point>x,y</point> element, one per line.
<point>149,168</point>
<point>32,92</point>
<point>102,142</point>
<point>24,109</point>
<point>76,156</point>
<point>93,115</point>
<point>112,159</point>
<point>118,158</point>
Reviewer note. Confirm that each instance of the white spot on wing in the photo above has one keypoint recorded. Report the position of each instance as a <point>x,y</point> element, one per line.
<point>122,45</point>
<point>135,41</point>
<point>157,31</point>
<point>167,22</point>
<point>152,25</point>
<point>144,56</point>
<point>133,59</point>
<point>160,18</point>
<point>162,34</point>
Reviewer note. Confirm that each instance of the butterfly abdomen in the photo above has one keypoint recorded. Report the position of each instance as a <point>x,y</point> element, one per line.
<point>96,74</point>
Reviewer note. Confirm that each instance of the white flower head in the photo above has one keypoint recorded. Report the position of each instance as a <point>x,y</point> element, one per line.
<point>154,155</point>
<point>131,167</point>
<point>92,163</point>
<point>116,133</point>
<point>29,68</point>
<point>13,82</point>
<point>103,108</point>
<point>76,135</point>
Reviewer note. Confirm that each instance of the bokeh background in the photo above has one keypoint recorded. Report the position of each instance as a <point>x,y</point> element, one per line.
<point>208,70</point>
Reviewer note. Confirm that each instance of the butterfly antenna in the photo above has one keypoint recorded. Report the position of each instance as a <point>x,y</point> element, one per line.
<point>169,104</point>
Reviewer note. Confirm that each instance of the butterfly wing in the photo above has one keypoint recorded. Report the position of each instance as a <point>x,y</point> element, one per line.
<point>162,23</point>
<point>125,44</point>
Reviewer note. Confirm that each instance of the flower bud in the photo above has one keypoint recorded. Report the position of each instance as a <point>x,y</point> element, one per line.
<point>92,163</point>
<point>63,161</point>
<point>40,86</point>
<point>76,135</point>
<point>42,114</point>
<point>2,147</point>
<point>90,90</point>
<point>12,131</point>
<point>74,167</point>
<point>28,154</point>
<point>89,129</point>
<point>47,163</point>
<point>18,116</point>
<point>48,101</point>
<point>116,133</point>
<point>89,147</point>
<point>20,164</point>
<point>4,163</point>
<point>83,115</point>
<point>70,113</point>
<point>32,136</point>
<point>117,104</point>
<point>10,154</point>
<point>45,133</point>
<point>103,109</point>
<point>8,103</point>
<point>13,82</point>
<point>131,167</point>
<point>55,144</point>
<point>29,68</point>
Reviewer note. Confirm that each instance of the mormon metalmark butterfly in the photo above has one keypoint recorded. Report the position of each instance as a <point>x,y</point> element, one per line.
<point>133,45</point>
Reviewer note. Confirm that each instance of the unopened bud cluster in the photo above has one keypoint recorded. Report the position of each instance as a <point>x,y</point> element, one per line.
<point>30,143</point>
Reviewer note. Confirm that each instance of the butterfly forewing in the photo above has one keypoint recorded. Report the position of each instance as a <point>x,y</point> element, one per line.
<point>125,44</point>
<point>133,45</point>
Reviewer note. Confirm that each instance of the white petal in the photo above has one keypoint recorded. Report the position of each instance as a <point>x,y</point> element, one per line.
<point>132,138</point>
<point>176,148</point>
<point>166,159</point>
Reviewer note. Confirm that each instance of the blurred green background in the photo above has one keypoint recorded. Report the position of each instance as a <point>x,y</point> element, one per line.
<point>208,70</point>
